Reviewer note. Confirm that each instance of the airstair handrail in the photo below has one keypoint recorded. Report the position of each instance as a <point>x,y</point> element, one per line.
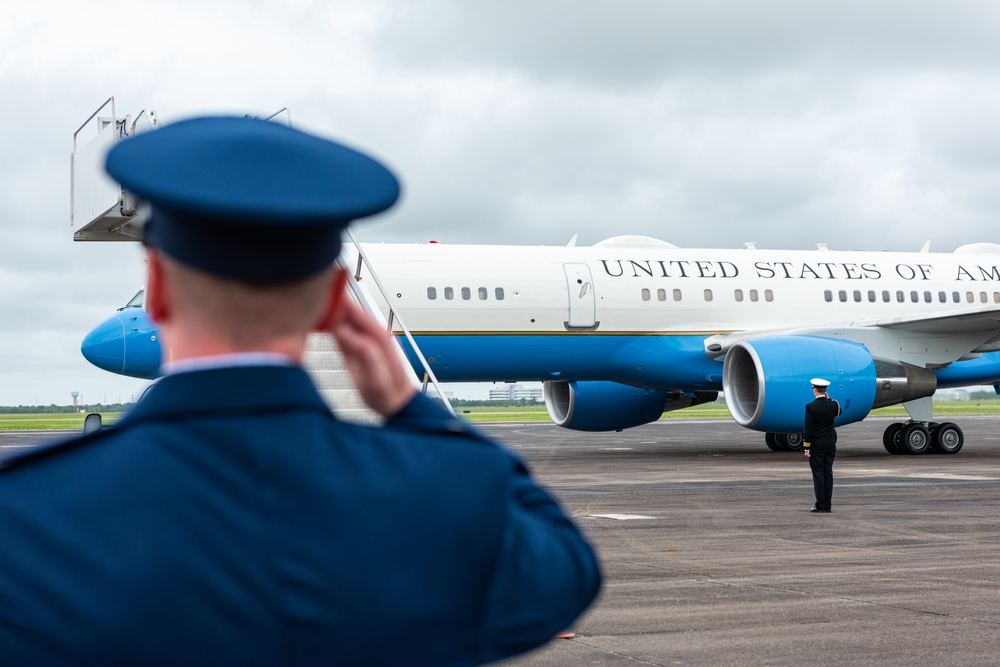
<point>394,318</point>
<point>110,100</point>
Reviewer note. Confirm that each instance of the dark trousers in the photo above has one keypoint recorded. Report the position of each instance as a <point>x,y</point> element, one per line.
<point>821,463</point>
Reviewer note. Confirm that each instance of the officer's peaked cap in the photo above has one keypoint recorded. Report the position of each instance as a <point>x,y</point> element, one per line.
<point>249,199</point>
<point>819,382</point>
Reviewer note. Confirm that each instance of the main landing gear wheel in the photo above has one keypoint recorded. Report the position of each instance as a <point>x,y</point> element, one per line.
<point>771,440</point>
<point>921,437</point>
<point>783,442</point>
<point>947,438</point>
<point>890,439</point>
<point>793,441</point>
<point>915,438</point>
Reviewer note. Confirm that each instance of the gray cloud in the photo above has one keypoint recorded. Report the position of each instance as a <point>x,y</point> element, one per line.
<point>705,124</point>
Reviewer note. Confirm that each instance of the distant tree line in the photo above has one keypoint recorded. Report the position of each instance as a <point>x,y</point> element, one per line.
<point>490,403</point>
<point>63,409</point>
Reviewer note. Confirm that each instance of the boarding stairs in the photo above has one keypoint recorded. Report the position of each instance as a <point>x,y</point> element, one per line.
<point>108,212</point>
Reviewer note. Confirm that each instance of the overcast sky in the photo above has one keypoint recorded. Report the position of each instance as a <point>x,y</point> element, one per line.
<point>865,125</point>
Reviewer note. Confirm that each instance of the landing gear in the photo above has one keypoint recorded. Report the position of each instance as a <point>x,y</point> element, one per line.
<point>783,442</point>
<point>890,439</point>
<point>947,438</point>
<point>919,437</point>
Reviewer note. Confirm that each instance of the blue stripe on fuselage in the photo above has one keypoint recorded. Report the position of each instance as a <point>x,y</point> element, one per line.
<point>651,360</point>
<point>661,361</point>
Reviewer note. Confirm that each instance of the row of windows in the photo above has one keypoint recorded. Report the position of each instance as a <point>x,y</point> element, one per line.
<point>915,296</point>
<point>466,292</point>
<point>754,295</point>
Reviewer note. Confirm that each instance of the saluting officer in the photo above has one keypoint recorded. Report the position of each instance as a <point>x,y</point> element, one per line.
<point>230,518</point>
<point>820,442</point>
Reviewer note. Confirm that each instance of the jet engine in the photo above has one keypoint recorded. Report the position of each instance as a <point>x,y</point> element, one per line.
<point>611,406</point>
<point>766,380</point>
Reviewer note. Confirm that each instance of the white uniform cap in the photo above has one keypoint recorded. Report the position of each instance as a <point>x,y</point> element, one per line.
<point>819,382</point>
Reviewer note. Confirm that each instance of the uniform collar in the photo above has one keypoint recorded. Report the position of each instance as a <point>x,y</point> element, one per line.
<point>244,389</point>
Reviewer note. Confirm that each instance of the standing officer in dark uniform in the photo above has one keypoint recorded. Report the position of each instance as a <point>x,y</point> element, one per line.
<point>230,518</point>
<point>820,442</point>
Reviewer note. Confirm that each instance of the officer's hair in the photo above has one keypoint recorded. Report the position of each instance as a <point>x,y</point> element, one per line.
<point>245,314</point>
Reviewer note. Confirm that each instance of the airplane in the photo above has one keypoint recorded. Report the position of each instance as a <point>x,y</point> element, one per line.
<point>632,327</point>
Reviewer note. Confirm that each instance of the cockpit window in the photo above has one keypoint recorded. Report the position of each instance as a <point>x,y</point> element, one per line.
<point>136,301</point>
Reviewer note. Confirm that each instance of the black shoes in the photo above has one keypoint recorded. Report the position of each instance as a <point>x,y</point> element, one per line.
<point>813,509</point>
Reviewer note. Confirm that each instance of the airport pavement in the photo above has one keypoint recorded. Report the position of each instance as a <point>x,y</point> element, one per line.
<point>729,567</point>
<point>711,556</point>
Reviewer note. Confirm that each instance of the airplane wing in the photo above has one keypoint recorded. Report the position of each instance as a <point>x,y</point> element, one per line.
<point>928,340</point>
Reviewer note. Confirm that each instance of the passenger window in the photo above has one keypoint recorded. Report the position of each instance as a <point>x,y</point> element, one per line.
<point>677,295</point>
<point>739,295</point>
<point>449,293</point>
<point>982,297</point>
<point>956,297</point>
<point>900,297</point>
<point>970,297</point>
<point>499,293</point>
<point>432,293</point>
<point>871,296</point>
<point>466,293</point>
<point>927,297</point>
<point>996,297</point>
<point>645,294</point>
<point>661,295</point>
<point>828,295</point>
<point>857,296</point>
<point>943,297</point>
<point>753,295</point>
<point>843,295</point>
<point>914,297</point>
<point>483,293</point>
<point>768,295</point>
<point>886,297</point>
<point>708,295</point>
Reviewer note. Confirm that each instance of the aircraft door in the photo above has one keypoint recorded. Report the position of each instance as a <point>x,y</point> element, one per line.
<point>582,299</point>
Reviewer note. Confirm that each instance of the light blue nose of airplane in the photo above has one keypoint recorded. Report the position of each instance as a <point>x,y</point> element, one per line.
<point>104,346</point>
<point>125,343</point>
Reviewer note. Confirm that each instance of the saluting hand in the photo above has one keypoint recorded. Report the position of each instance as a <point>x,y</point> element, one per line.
<point>370,354</point>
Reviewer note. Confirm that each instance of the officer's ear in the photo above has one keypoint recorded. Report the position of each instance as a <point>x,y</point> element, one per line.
<point>156,298</point>
<point>334,299</point>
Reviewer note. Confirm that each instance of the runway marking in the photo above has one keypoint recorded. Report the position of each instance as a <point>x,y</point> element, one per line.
<point>618,449</point>
<point>621,517</point>
<point>946,475</point>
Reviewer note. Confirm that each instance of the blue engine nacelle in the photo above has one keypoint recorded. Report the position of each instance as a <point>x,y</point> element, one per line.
<point>611,406</point>
<point>766,380</point>
<point>602,406</point>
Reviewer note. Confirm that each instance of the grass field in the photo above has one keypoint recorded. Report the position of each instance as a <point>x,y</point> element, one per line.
<point>49,422</point>
<point>717,411</point>
<point>54,422</point>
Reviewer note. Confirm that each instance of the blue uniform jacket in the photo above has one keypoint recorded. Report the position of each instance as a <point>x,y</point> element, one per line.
<point>231,519</point>
<point>818,433</point>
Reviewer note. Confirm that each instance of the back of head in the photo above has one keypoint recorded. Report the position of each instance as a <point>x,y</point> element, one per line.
<point>247,217</point>
<point>247,199</point>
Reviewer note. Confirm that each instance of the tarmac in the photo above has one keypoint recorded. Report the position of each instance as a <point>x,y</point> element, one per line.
<point>711,556</point>
<point>723,564</point>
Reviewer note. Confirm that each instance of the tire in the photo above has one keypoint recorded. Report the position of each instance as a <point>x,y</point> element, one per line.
<point>793,442</point>
<point>915,438</point>
<point>947,438</point>
<point>771,440</point>
<point>890,439</point>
